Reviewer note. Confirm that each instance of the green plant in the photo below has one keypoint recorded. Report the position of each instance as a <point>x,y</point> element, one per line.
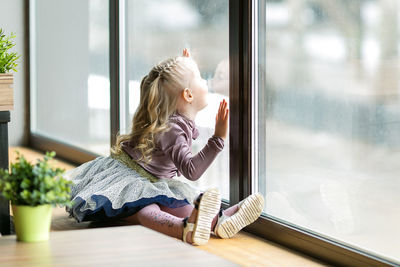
<point>33,185</point>
<point>8,60</point>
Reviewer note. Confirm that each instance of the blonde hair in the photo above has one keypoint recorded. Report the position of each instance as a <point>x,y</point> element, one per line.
<point>159,91</point>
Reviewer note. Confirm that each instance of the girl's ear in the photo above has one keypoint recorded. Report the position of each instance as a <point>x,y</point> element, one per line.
<point>187,95</point>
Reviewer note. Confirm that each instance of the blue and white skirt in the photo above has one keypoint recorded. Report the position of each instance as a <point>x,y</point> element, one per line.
<point>114,187</point>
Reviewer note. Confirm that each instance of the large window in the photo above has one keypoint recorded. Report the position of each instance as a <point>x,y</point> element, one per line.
<point>314,101</point>
<point>156,30</point>
<point>70,88</point>
<point>328,96</point>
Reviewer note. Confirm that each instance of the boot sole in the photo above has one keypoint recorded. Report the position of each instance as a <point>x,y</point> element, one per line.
<point>249,211</point>
<point>208,207</point>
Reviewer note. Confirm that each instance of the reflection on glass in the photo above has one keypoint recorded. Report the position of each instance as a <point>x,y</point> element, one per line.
<point>70,88</point>
<point>330,98</point>
<point>156,30</point>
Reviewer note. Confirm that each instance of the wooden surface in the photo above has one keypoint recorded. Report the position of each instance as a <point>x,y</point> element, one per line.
<point>244,249</point>
<point>6,92</point>
<point>32,156</point>
<point>249,250</point>
<point>121,246</point>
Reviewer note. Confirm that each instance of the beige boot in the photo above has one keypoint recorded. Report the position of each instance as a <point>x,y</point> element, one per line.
<point>207,205</point>
<point>249,209</point>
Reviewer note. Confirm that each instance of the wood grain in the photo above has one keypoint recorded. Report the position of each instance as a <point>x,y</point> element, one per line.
<point>122,246</point>
<point>6,92</point>
<point>32,156</point>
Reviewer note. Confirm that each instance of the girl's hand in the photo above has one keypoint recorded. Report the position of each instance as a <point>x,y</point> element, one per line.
<point>221,120</point>
<point>185,53</point>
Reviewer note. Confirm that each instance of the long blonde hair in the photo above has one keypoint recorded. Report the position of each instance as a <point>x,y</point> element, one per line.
<point>159,91</point>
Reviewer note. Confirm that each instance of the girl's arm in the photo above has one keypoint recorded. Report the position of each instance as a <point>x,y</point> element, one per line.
<point>177,146</point>
<point>191,166</point>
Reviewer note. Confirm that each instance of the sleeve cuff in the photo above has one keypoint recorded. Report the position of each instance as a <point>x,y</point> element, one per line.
<point>216,142</point>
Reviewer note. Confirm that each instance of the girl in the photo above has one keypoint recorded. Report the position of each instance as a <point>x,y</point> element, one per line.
<point>136,183</point>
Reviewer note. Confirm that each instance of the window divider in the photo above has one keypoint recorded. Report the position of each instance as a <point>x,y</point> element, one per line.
<point>240,92</point>
<point>114,69</point>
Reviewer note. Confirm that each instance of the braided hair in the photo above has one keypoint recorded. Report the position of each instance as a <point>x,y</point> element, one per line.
<point>159,91</point>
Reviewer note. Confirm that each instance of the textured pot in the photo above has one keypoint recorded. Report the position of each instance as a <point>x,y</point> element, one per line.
<point>6,91</point>
<point>32,224</point>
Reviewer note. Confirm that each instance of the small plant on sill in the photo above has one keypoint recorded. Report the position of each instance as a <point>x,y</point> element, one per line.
<point>33,190</point>
<point>33,185</point>
<point>8,59</point>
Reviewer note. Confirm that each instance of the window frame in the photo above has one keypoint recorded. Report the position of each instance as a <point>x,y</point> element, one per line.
<point>241,93</point>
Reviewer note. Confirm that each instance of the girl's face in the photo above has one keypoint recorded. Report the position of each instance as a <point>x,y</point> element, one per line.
<point>199,89</point>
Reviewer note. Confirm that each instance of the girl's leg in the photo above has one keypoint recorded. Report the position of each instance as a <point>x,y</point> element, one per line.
<point>231,210</point>
<point>181,212</point>
<point>154,218</point>
<point>170,221</point>
<point>187,210</point>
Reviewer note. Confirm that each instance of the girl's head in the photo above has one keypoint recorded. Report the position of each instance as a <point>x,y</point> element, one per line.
<point>172,85</point>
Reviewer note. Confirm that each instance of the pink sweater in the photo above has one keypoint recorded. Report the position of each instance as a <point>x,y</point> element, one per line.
<point>172,154</point>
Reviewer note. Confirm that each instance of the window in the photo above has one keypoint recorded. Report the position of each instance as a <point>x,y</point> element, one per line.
<point>314,104</point>
<point>328,109</point>
<point>156,30</point>
<point>70,88</point>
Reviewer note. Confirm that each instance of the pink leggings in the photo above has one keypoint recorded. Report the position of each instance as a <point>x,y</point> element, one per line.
<point>166,220</point>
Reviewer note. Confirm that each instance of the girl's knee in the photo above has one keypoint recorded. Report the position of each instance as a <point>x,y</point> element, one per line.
<point>181,212</point>
<point>149,208</point>
<point>142,214</point>
<point>145,211</point>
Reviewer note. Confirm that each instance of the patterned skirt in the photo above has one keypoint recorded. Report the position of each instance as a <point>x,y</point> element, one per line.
<point>114,187</point>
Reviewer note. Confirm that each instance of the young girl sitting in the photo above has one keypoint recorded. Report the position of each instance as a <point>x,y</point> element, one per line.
<point>136,182</point>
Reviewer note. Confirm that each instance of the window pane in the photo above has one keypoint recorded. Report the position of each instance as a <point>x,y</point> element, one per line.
<point>156,30</point>
<point>70,72</point>
<point>329,95</point>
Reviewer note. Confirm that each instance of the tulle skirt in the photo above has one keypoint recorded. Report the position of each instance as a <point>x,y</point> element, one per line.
<point>114,187</point>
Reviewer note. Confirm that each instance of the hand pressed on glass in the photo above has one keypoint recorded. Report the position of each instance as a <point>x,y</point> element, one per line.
<point>221,120</point>
<point>185,53</point>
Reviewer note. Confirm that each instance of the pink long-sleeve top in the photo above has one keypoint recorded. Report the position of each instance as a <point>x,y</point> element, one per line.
<point>172,154</point>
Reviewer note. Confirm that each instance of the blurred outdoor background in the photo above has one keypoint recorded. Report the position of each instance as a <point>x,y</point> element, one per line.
<point>329,77</point>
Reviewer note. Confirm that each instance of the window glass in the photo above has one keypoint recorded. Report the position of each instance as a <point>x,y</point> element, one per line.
<point>70,88</point>
<point>156,30</point>
<point>329,109</point>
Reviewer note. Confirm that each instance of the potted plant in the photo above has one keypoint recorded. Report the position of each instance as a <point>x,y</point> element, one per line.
<point>8,62</point>
<point>33,190</point>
